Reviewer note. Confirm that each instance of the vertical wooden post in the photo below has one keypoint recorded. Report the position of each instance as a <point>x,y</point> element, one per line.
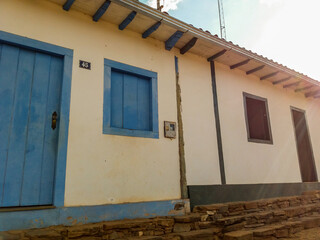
<point>183,179</point>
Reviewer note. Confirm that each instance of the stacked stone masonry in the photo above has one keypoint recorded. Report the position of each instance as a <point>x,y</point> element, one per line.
<point>267,219</point>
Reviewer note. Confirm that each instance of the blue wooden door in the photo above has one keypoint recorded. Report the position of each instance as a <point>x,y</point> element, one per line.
<point>30,89</point>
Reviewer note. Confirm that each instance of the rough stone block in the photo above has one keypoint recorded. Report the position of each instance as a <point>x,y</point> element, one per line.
<point>250,205</point>
<point>10,236</point>
<point>193,217</point>
<point>234,227</point>
<point>181,227</point>
<point>205,234</point>
<point>236,207</point>
<point>205,225</point>
<point>295,211</point>
<point>43,233</point>
<point>310,222</point>
<point>230,220</point>
<point>238,235</point>
<point>281,233</point>
<point>264,231</point>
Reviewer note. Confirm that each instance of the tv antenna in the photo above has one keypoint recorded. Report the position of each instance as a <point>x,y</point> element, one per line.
<point>221,19</point>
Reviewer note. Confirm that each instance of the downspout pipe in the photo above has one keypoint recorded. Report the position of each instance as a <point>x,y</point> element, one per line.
<point>217,120</point>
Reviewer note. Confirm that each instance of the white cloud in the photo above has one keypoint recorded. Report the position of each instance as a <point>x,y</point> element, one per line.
<point>167,4</point>
<point>270,3</point>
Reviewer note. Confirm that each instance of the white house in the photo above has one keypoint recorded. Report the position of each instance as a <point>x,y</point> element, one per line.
<point>113,110</point>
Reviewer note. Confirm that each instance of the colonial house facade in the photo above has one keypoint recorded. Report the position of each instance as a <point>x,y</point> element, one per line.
<point>113,110</point>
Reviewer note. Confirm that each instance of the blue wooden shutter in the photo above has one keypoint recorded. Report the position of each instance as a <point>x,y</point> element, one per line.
<point>130,101</point>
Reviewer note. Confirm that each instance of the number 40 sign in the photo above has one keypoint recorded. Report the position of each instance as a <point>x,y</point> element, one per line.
<point>85,65</point>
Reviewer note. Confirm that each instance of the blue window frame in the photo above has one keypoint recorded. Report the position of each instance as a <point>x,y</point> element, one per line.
<point>130,105</point>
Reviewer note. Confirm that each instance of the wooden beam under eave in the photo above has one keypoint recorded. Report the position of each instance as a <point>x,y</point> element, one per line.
<point>99,13</point>
<point>281,80</point>
<point>188,46</point>
<point>171,42</point>
<point>312,93</point>
<point>127,20</point>
<point>210,59</point>
<point>292,84</point>
<point>303,88</point>
<point>239,64</point>
<point>255,70</point>
<point>269,76</point>
<point>68,5</point>
<point>151,29</point>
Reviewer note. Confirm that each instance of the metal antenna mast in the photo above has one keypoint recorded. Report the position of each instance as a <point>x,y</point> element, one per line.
<point>221,19</point>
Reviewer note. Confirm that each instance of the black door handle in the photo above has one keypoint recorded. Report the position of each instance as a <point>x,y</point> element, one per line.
<point>54,120</point>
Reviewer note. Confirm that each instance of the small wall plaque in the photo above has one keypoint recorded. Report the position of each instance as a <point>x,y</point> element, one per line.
<point>85,65</point>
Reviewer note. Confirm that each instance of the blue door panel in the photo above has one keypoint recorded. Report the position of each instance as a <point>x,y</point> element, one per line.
<point>51,136</point>
<point>8,72</point>
<point>37,121</point>
<point>30,89</point>
<point>18,136</point>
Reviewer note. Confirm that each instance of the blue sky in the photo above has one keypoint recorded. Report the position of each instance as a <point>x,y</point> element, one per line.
<point>284,30</point>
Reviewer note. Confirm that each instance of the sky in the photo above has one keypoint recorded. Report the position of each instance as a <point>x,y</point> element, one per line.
<point>286,31</point>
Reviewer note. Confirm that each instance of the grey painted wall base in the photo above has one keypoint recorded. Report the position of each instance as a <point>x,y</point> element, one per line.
<point>210,194</point>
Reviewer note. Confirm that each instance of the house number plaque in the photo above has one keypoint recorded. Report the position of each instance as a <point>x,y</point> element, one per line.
<point>85,65</point>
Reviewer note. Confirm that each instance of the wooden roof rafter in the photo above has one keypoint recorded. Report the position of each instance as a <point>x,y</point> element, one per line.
<point>304,88</point>
<point>210,59</point>
<point>171,42</point>
<point>292,84</point>
<point>281,80</point>
<point>99,13</point>
<point>255,69</point>
<point>269,75</point>
<point>127,20</point>
<point>188,46</point>
<point>151,29</point>
<point>312,93</point>
<point>240,64</point>
<point>67,5</point>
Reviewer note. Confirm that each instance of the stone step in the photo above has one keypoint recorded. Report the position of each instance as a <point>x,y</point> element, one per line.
<point>285,229</point>
<point>269,217</point>
<point>256,220</point>
<point>237,208</point>
<point>310,222</point>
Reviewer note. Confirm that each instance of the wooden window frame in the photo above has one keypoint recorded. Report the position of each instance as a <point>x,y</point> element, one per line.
<point>248,95</point>
<point>110,65</point>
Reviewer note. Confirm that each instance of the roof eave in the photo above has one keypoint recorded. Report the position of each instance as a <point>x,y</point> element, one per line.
<point>182,26</point>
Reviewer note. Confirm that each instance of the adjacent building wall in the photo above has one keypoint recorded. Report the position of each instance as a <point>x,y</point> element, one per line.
<point>249,162</point>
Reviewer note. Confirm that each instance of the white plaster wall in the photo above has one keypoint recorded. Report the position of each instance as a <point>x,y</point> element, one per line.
<point>102,168</point>
<point>248,162</point>
<point>201,152</point>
